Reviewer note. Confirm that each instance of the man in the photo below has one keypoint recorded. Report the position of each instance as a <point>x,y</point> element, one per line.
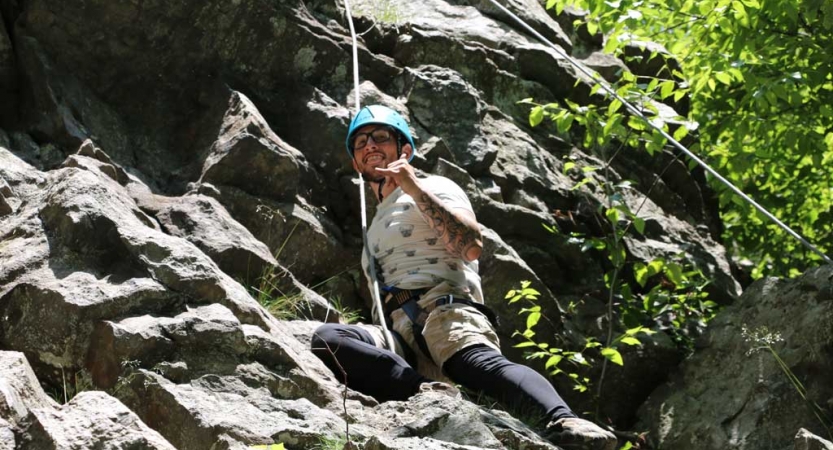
<point>425,241</point>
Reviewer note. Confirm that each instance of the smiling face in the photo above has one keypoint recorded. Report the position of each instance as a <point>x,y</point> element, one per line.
<point>375,154</point>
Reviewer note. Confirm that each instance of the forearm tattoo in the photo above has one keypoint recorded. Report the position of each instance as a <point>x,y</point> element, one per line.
<point>460,239</point>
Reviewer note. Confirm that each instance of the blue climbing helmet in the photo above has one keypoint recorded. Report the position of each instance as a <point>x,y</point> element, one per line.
<point>382,115</point>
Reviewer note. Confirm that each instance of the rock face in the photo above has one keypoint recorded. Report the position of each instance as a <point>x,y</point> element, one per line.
<point>733,393</point>
<point>165,165</point>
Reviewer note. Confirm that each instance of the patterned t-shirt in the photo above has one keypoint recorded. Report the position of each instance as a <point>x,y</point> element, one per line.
<point>409,254</point>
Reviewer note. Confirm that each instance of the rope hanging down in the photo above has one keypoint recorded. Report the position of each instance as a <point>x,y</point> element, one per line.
<point>378,310</point>
<point>604,85</point>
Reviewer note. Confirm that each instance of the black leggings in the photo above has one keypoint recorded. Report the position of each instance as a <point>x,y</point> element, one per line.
<point>386,376</point>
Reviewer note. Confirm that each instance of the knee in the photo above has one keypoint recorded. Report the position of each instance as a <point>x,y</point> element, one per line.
<point>324,336</point>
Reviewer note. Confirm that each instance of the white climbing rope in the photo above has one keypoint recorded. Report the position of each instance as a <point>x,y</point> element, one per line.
<point>378,310</point>
<point>606,87</point>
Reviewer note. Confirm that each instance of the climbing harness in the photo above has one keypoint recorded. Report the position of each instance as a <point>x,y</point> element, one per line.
<point>407,300</point>
<point>607,89</point>
<point>378,310</point>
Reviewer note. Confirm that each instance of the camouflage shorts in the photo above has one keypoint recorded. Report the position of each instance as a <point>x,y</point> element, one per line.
<point>448,329</point>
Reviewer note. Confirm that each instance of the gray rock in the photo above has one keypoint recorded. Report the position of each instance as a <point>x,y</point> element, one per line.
<point>204,222</point>
<point>91,420</point>
<point>7,440</point>
<point>5,207</point>
<point>250,156</point>
<point>20,392</point>
<point>102,162</point>
<point>732,393</point>
<point>447,106</point>
<point>195,415</point>
<point>544,65</point>
<point>531,12</point>
<point>8,80</point>
<point>607,65</point>
<point>304,238</point>
<point>44,109</point>
<point>804,440</point>
<point>503,270</point>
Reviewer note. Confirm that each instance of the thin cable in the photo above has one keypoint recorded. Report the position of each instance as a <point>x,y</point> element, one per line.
<point>378,310</point>
<point>670,139</point>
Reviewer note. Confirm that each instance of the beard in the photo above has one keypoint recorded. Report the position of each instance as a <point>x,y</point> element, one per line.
<point>372,178</point>
<point>369,174</point>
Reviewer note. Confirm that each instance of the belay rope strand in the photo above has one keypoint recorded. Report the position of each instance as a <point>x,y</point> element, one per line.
<point>670,139</point>
<point>378,310</point>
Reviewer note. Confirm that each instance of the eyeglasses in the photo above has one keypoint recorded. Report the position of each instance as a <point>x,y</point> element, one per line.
<point>379,135</point>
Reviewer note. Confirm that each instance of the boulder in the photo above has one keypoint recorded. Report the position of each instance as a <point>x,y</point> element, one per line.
<point>736,390</point>
<point>446,105</point>
<point>20,392</point>
<point>8,77</point>
<point>90,420</point>
<point>248,155</point>
<point>804,440</point>
<point>7,439</point>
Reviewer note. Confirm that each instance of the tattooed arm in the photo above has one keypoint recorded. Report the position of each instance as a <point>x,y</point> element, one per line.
<point>457,228</point>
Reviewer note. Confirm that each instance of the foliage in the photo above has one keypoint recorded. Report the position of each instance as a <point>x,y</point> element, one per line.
<point>381,11</point>
<point>664,294</point>
<point>348,315</point>
<point>677,303</point>
<point>763,339</point>
<point>757,73</point>
<point>331,443</point>
<point>72,385</point>
<point>293,305</point>
<point>554,356</point>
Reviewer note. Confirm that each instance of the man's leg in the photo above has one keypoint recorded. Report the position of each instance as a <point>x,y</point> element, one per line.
<point>371,370</point>
<point>484,369</point>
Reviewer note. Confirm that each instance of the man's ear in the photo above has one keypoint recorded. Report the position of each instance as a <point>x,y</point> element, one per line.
<point>407,150</point>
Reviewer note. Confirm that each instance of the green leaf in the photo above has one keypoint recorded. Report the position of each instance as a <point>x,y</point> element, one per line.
<point>526,344</point>
<point>581,183</point>
<point>536,116</point>
<point>564,122</point>
<point>675,273</point>
<point>630,340</point>
<point>613,355</point>
<point>639,225</point>
<point>614,106</point>
<point>680,133</point>
<point>553,361</point>
<point>723,77</point>
<point>592,28</point>
<point>666,89</point>
<point>656,266</point>
<point>612,215</point>
<point>640,273</point>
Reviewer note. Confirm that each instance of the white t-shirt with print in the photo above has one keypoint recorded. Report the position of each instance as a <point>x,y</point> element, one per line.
<point>409,254</point>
